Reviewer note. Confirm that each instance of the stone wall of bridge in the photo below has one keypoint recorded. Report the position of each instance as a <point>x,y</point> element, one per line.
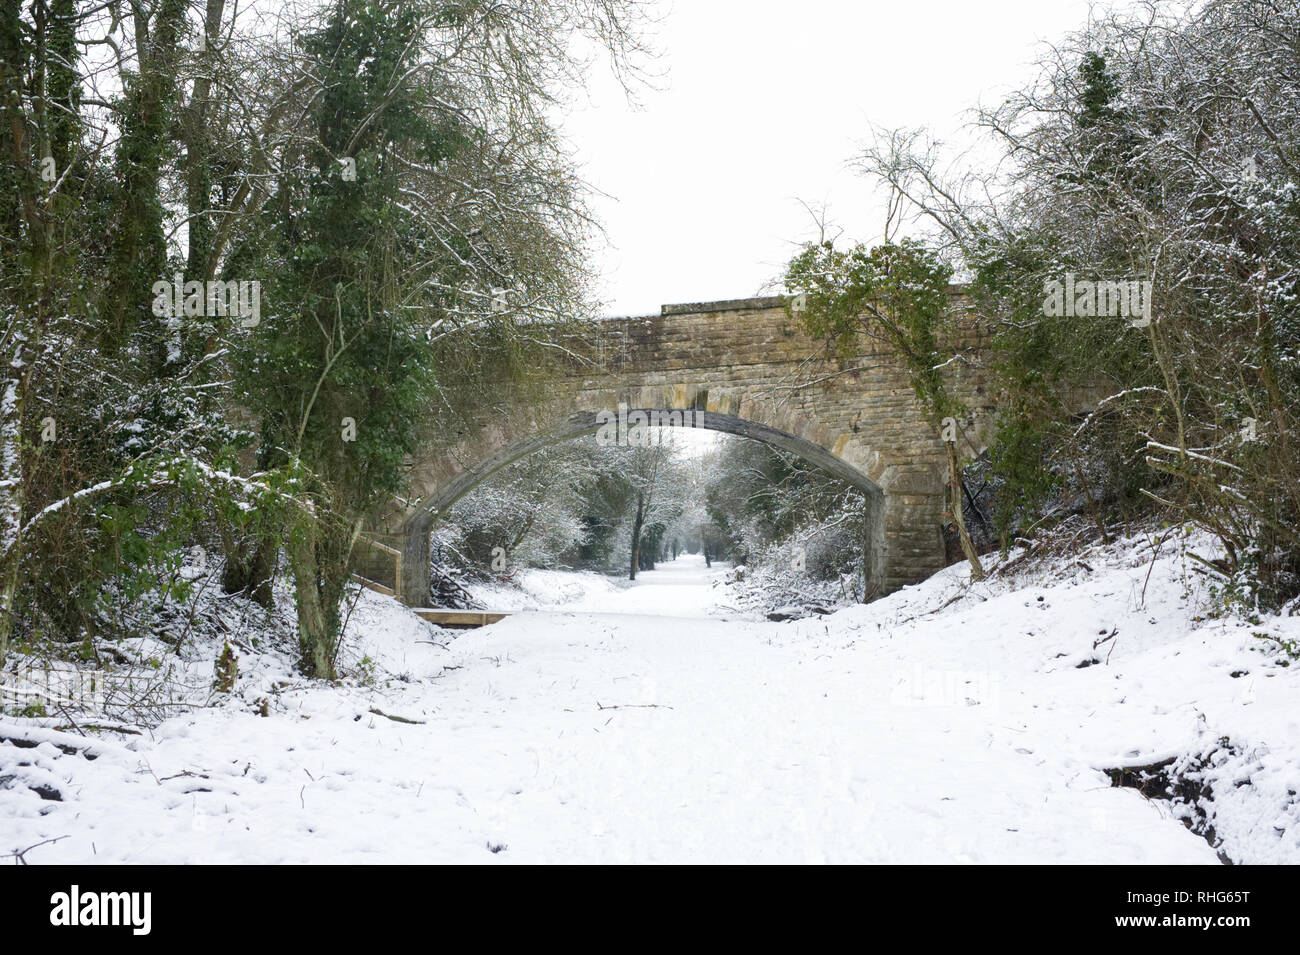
<point>746,365</point>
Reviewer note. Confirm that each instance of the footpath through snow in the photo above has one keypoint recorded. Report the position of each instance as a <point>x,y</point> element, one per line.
<point>646,724</point>
<point>681,588</point>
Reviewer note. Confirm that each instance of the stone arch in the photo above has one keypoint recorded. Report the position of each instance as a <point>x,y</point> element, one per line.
<point>412,539</point>
<point>748,366</point>
<point>588,422</point>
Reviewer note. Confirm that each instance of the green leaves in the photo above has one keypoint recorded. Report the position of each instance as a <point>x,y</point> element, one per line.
<point>896,293</point>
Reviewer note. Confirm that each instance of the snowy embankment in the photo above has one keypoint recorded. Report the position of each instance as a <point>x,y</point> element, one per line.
<point>946,723</point>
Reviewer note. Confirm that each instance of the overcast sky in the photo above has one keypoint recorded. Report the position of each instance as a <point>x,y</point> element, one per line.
<point>761,104</point>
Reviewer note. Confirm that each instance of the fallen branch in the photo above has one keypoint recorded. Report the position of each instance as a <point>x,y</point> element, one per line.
<point>20,855</point>
<point>632,706</point>
<point>395,719</point>
<point>947,603</point>
<point>69,745</point>
<point>105,726</point>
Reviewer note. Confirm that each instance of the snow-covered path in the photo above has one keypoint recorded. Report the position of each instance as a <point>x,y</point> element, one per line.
<point>642,736</point>
<point>679,588</point>
<point>706,740</point>
<point>724,747</point>
<point>684,587</point>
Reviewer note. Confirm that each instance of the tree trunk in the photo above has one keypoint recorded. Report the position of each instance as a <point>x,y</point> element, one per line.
<point>198,180</point>
<point>11,506</point>
<point>22,190</point>
<point>319,590</point>
<point>137,244</point>
<point>251,573</point>
<point>636,536</point>
<point>954,492</point>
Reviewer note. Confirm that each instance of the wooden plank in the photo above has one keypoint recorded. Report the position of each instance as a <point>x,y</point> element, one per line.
<point>374,585</point>
<point>397,564</point>
<point>458,618</point>
<point>463,619</point>
<point>384,548</point>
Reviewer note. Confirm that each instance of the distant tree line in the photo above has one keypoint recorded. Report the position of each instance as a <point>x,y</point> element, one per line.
<point>618,510</point>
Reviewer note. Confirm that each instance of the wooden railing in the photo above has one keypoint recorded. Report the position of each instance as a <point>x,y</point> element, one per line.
<point>460,619</point>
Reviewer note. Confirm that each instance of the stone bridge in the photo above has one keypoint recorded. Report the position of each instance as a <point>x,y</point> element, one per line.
<point>746,365</point>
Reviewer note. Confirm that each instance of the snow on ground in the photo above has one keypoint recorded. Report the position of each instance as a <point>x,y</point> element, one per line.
<point>633,726</point>
<point>680,588</point>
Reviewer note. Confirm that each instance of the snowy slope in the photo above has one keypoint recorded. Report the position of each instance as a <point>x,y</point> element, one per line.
<point>883,733</point>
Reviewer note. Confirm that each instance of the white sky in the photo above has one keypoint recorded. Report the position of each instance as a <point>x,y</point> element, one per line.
<point>761,105</point>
